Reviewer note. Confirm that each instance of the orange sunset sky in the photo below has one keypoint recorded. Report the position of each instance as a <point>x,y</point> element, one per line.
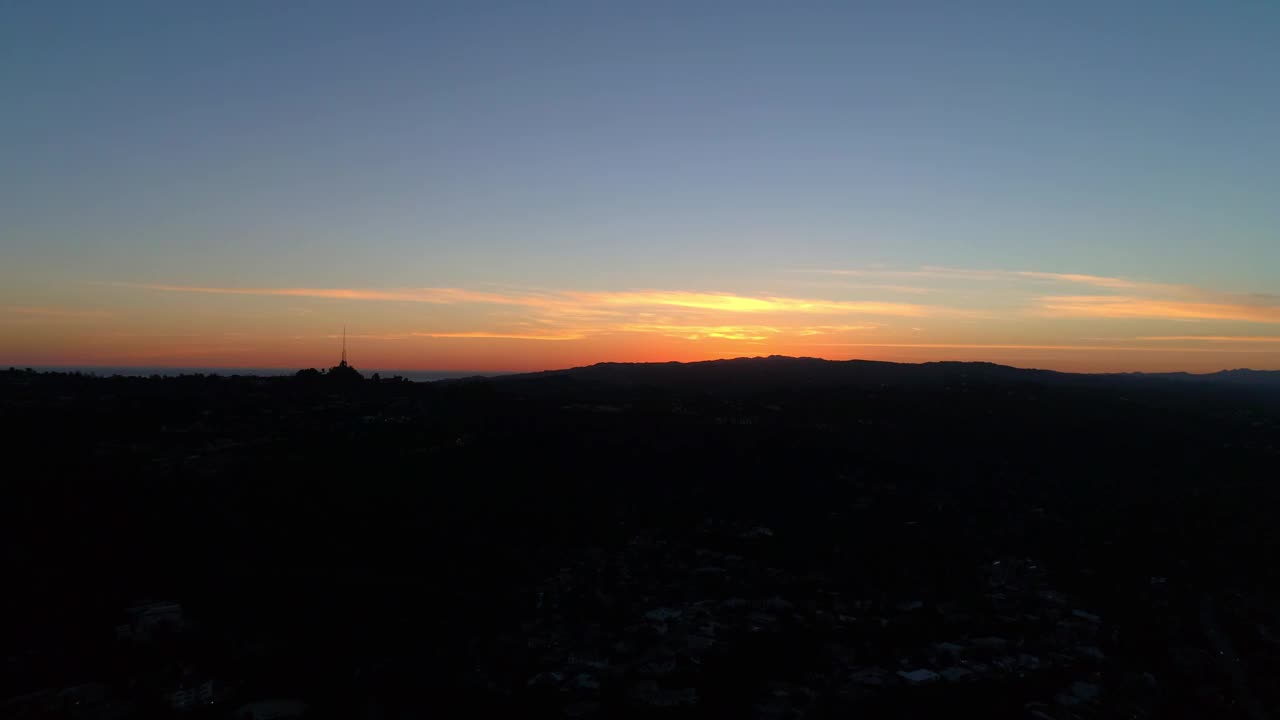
<point>1074,186</point>
<point>1026,318</point>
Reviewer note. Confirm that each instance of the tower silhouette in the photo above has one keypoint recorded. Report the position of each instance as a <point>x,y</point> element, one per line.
<point>343,371</point>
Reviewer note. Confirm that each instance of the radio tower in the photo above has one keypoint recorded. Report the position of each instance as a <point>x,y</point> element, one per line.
<point>343,370</point>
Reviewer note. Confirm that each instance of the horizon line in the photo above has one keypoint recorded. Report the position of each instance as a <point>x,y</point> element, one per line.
<point>487,373</point>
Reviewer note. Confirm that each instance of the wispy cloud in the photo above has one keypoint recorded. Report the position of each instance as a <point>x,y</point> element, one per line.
<point>672,330</point>
<point>832,329</point>
<point>1112,306</point>
<point>500,335</point>
<point>892,287</point>
<point>435,296</point>
<point>49,312</point>
<point>698,332</point>
<point>748,304</point>
<point>1133,298</point>
<point>934,271</point>
<point>961,302</point>
<point>1209,338</point>
<point>475,335</point>
<point>581,302</point>
<point>372,336</point>
<point>1102,281</point>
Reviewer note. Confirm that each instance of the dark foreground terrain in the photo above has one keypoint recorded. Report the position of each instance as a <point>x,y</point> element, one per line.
<point>768,538</point>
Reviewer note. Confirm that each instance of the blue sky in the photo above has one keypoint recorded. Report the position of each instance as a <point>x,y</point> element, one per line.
<point>707,147</point>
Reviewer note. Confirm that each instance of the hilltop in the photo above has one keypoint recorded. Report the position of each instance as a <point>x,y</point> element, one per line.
<point>781,372</point>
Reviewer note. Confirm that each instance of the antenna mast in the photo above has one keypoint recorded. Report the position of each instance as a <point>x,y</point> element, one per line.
<point>344,345</point>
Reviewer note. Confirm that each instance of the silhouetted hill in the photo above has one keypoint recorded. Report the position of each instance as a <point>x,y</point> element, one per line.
<point>778,372</point>
<point>759,537</point>
<point>1241,376</point>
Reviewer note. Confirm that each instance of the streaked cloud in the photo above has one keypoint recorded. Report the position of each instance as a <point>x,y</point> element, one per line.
<point>1134,298</point>
<point>699,332</point>
<point>832,329</point>
<point>51,312</point>
<point>478,335</point>
<point>1209,338</point>
<point>481,335</point>
<point>577,301</point>
<point>893,287</point>
<point>1112,306</point>
<point>1102,281</point>
<point>435,296</point>
<point>978,313</point>
<point>372,336</point>
<point>933,271</point>
<point>745,304</point>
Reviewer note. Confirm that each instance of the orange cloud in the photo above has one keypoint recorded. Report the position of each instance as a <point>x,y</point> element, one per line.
<point>584,302</point>
<point>697,332</point>
<point>498,335</point>
<point>671,330</point>
<point>744,304</point>
<point>829,329</point>
<point>373,336</point>
<point>1110,306</point>
<point>557,326</point>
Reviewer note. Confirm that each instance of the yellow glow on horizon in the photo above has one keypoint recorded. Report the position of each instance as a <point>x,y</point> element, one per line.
<point>770,304</point>
<point>1000,316</point>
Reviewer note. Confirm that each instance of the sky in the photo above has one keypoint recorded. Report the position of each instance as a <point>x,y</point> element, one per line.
<point>1090,186</point>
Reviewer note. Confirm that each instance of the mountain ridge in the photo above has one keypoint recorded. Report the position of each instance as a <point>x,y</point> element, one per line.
<point>780,371</point>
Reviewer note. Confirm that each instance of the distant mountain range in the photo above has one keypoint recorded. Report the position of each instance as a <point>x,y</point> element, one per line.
<point>1240,376</point>
<point>780,372</point>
